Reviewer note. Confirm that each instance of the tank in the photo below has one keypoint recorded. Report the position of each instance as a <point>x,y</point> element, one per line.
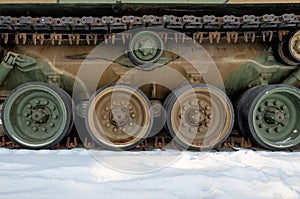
<point>127,74</point>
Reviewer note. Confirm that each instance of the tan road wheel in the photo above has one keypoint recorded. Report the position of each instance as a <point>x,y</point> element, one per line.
<point>199,116</point>
<point>294,45</point>
<point>119,117</point>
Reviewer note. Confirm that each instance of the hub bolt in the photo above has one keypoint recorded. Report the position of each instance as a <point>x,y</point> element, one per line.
<point>133,115</point>
<point>208,108</point>
<point>52,108</point>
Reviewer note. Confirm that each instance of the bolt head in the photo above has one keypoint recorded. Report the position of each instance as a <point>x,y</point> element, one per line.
<point>208,108</point>
<point>277,129</point>
<point>207,124</point>
<point>261,109</point>
<point>191,130</point>
<point>52,108</point>
<point>210,116</point>
<point>133,115</point>
<point>284,107</point>
<point>276,103</point>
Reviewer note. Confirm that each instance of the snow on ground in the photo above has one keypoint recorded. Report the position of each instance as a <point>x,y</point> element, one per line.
<point>81,173</point>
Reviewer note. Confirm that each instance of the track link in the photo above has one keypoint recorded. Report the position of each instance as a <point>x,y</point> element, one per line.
<point>92,30</point>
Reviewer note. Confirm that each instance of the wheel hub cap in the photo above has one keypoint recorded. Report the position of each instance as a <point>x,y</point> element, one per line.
<point>195,117</point>
<point>147,49</point>
<point>119,116</point>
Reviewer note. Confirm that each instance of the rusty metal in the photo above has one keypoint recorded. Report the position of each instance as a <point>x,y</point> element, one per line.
<point>159,142</point>
<point>74,37</point>
<point>5,36</point>
<point>229,142</point>
<point>246,143</point>
<point>71,143</point>
<point>232,36</point>
<point>38,37</point>
<point>143,146</point>
<point>267,35</point>
<point>214,35</point>
<point>56,37</point>
<point>22,37</point>
<point>88,144</point>
<point>125,37</point>
<point>282,34</point>
<point>198,37</point>
<point>57,146</point>
<point>110,37</point>
<point>249,35</point>
<point>5,142</point>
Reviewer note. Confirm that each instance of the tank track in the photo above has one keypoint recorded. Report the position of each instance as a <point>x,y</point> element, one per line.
<point>160,141</point>
<point>233,143</point>
<point>91,30</point>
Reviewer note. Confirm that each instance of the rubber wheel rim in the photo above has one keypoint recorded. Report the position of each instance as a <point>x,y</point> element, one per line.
<point>215,135</point>
<point>24,105</point>
<point>242,104</point>
<point>291,43</point>
<point>102,129</point>
<point>288,98</point>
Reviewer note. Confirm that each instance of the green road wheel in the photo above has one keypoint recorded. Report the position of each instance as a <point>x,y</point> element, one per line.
<point>119,117</point>
<point>271,116</point>
<point>199,116</point>
<point>37,115</point>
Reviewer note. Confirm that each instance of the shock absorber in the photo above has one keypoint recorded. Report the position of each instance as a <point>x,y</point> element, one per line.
<point>6,66</point>
<point>293,79</point>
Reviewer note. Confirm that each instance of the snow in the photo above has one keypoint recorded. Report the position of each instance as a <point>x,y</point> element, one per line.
<point>81,173</point>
